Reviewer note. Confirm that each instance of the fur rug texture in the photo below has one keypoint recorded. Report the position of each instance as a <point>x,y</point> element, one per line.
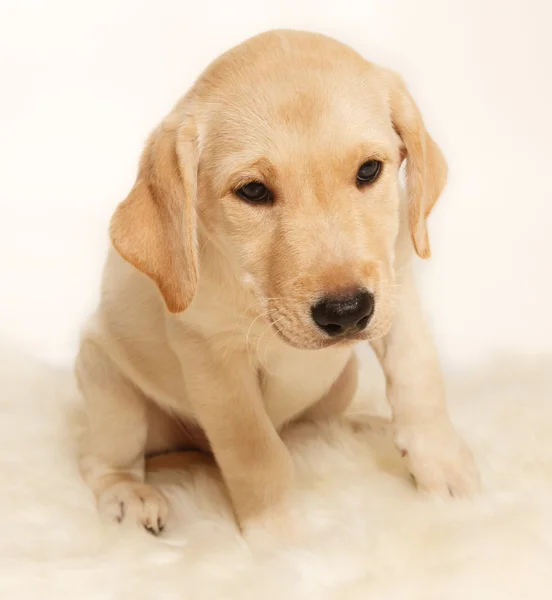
<point>369,534</point>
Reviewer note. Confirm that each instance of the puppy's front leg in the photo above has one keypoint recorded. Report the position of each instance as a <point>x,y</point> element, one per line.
<point>255,464</point>
<point>437,457</point>
<point>112,453</point>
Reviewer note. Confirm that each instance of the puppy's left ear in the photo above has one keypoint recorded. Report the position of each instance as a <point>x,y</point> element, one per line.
<point>426,168</point>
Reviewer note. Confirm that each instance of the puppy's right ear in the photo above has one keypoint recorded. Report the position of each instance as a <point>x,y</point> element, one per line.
<point>155,228</point>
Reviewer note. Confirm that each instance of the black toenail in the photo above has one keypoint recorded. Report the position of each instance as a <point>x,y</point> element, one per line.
<point>121,512</point>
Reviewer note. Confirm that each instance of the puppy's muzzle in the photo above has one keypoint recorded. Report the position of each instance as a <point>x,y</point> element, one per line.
<point>344,315</point>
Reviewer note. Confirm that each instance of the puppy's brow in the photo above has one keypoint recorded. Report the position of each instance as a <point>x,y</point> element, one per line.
<point>375,151</point>
<point>260,169</point>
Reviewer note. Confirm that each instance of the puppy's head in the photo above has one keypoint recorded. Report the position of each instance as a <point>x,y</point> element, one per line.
<point>287,153</point>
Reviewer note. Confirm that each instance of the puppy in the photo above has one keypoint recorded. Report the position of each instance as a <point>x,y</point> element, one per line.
<point>265,236</point>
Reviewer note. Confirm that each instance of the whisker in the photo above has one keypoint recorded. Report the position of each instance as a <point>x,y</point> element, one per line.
<point>271,329</point>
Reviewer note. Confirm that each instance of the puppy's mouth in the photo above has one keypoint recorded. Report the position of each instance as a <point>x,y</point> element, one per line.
<point>320,341</point>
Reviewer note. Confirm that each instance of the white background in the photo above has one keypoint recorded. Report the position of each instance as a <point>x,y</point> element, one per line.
<point>82,83</point>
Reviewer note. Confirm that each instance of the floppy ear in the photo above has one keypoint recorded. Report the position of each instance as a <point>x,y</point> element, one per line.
<point>154,228</point>
<point>426,168</point>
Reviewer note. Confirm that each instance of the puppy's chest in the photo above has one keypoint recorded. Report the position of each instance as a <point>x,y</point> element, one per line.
<point>292,380</point>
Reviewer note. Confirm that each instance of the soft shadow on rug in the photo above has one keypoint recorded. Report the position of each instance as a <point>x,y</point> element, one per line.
<point>369,534</point>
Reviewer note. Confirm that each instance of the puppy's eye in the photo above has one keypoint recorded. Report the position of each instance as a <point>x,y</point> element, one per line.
<point>255,192</point>
<point>368,172</point>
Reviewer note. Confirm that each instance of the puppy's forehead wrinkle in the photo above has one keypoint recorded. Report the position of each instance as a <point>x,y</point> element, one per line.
<point>302,110</point>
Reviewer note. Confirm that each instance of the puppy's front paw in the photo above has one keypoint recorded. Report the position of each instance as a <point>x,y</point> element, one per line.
<point>439,460</point>
<point>137,502</point>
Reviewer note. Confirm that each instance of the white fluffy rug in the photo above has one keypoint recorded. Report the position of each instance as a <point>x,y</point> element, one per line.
<point>370,534</point>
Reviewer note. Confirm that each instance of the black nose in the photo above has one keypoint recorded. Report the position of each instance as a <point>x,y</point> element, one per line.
<point>344,314</point>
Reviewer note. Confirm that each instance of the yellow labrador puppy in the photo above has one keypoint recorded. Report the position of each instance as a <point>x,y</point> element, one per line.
<point>265,236</point>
